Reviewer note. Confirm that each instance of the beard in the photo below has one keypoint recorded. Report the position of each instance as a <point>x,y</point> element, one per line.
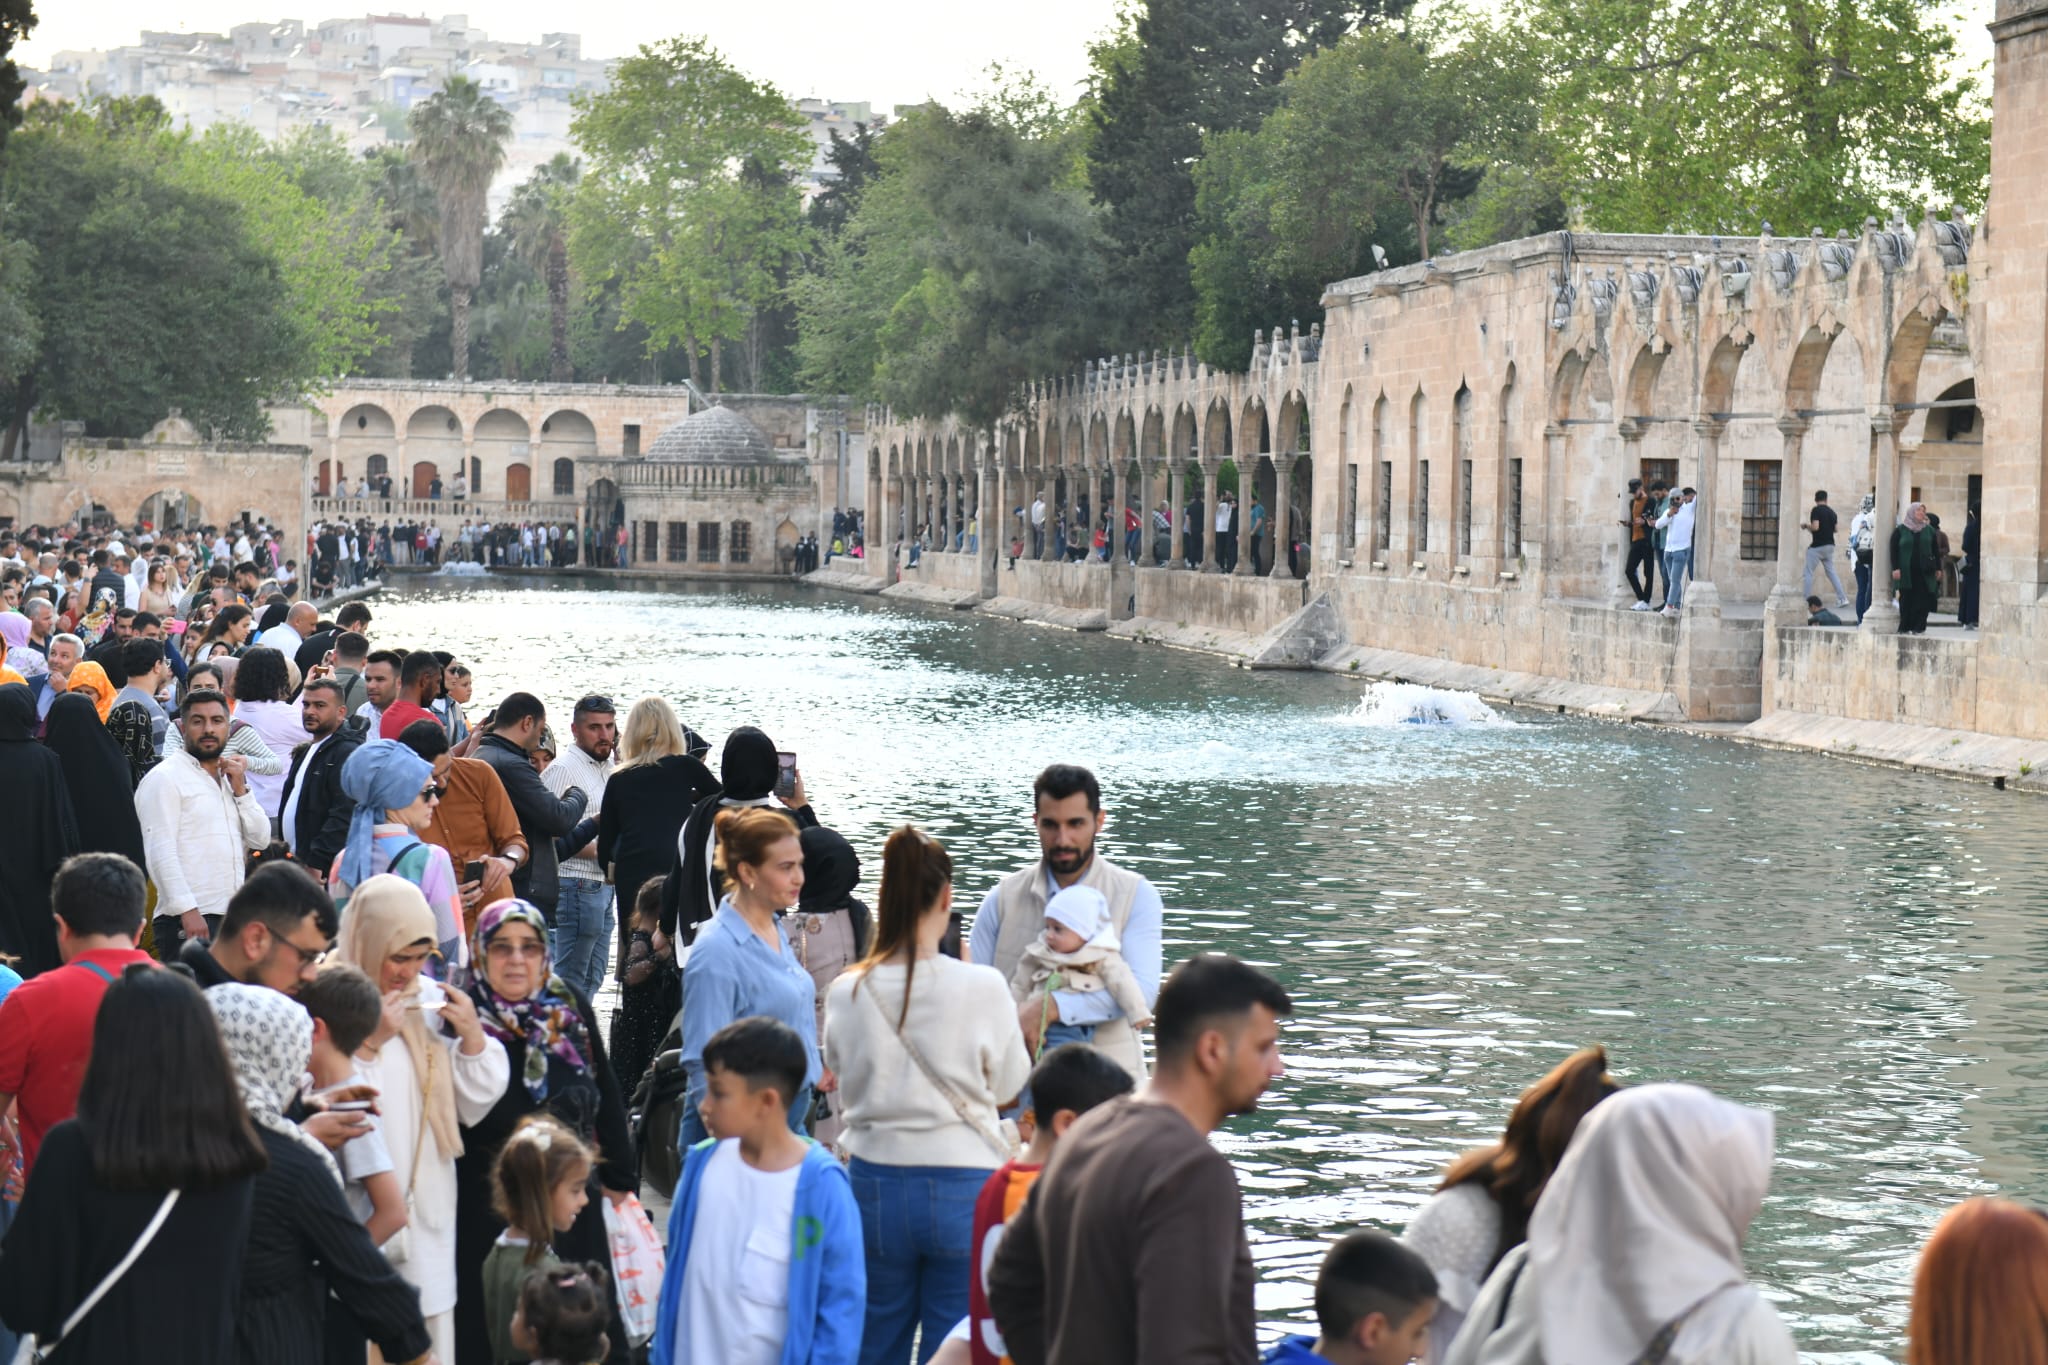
<point>207,748</point>
<point>1068,860</point>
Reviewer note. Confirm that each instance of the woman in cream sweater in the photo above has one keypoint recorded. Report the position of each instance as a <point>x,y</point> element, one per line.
<point>926,1050</point>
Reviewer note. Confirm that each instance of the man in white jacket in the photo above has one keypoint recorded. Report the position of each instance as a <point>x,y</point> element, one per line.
<point>1677,525</point>
<point>200,820</point>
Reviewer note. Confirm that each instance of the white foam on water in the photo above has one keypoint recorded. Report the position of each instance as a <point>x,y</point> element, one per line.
<point>1397,703</point>
<point>461,568</point>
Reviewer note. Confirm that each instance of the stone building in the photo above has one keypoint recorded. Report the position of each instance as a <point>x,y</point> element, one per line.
<point>1454,445</point>
<point>712,494</point>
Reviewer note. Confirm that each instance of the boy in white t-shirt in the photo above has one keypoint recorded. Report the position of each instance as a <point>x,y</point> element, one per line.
<point>346,1010</point>
<point>765,1259</point>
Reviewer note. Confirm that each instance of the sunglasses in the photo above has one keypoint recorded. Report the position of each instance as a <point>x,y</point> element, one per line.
<point>433,791</point>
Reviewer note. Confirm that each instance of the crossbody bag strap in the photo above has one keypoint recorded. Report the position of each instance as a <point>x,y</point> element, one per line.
<point>113,1277</point>
<point>961,1108</point>
<point>1659,1349</point>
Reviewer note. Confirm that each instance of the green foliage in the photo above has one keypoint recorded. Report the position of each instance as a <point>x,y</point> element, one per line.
<point>1370,139</point>
<point>21,330</point>
<point>151,292</point>
<point>1188,68</point>
<point>690,200</point>
<point>853,164</point>
<point>1671,116</point>
<point>536,225</point>
<point>17,17</point>
<point>458,139</point>
<point>973,263</point>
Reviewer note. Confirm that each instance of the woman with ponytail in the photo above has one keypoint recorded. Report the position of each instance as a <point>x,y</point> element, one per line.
<point>927,1051</point>
<point>741,964</point>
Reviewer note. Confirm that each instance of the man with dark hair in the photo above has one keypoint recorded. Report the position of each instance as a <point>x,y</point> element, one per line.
<point>1641,577</point>
<point>583,914</point>
<point>543,816</point>
<point>351,656</point>
<point>380,684</point>
<point>108,584</point>
<point>1820,522</point>
<point>419,682</point>
<point>148,669</point>
<point>46,1022</point>
<point>200,820</point>
<point>1067,803</point>
<point>1132,1246</point>
<point>350,618</point>
<point>473,820</point>
<point>1375,1301</point>
<point>279,924</point>
<point>314,815</point>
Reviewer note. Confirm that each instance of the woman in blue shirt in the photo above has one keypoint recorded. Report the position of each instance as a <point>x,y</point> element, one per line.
<point>741,964</point>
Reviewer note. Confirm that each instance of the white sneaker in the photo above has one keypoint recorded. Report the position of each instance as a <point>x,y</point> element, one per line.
<point>1843,605</point>
<point>1670,610</point>
<point>1640,606</point>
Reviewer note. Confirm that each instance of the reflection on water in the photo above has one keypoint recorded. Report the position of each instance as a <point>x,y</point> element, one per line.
<point>1454,908</point>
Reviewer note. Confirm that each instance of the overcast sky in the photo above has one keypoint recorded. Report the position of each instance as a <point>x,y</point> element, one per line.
<point>886,51</point>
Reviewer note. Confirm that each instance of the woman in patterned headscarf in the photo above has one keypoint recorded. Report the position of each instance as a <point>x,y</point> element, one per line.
<point>303,1241</point>
<point>558,1066</point>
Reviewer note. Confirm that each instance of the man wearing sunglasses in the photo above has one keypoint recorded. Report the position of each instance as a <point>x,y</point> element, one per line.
<point>278,926</point>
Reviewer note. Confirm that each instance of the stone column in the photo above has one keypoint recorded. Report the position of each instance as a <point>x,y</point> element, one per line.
<point>1710,433</point>
<point>1883,617</point>
<point>988,493</point>
<point>1176,504</point>
<point>1787,603</point>
<point>1247,493</point>
<point>1282,517</point>
<point>1207,530</point>
<point>1618,592</point>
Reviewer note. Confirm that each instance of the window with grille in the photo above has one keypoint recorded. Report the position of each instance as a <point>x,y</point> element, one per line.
<point>1350,517</point>
<point>707,542</point>
<point>1464,509</point>
<point>1667,470</point>
<point>678,542</point>
<point>1760,509</point>
<point>1514,510</point>
<point>1422,507</point>
<point>1383,533</point>
<point>741,550</point>
<point>565,477</point>
<point>650,544</point>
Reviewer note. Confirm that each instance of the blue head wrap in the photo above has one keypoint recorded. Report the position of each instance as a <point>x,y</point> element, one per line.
<point>381,775</point>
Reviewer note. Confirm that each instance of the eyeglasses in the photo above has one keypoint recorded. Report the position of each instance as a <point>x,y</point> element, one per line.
<point>433,791</point>
<point>307,957</point>
<point>594,703</point>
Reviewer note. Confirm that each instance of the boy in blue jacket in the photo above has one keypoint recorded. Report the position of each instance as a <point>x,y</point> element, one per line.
<point>1374,1302</point>
<point>765,1260</point>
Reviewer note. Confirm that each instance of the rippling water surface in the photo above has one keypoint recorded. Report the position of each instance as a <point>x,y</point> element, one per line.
<point>1454,909</point>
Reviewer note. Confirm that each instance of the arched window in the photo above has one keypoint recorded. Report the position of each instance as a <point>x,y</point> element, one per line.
<point>742,544</point>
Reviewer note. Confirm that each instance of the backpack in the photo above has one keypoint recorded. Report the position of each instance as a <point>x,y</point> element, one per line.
<point>656,1114</point>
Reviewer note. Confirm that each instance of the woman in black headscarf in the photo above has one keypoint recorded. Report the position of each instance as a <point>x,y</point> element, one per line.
<point>35,839</point>
<point>97,774</point>
<point>747,772</point>
<point>829,928</point>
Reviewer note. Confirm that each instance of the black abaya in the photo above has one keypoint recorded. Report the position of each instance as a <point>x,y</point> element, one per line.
<point>35,839</point>
<point>97,775</point>
<point>747,771</point>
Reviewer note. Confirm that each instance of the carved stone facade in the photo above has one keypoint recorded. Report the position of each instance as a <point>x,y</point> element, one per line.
<point>1458,438</point>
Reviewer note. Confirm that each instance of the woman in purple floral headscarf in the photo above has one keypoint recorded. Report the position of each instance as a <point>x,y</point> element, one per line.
<point>558,1067</point>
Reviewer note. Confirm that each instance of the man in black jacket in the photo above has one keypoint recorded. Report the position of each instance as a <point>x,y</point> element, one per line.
<point>316,812</point>
<point>542,817</point>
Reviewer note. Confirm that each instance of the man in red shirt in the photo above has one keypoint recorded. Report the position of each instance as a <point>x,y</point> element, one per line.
<point>419,682</point>
<point>46,1022</point>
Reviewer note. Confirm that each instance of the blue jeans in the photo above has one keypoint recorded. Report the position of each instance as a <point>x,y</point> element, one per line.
<point>1862,589</point>
<point>1677,567</point>
<point>917,1226</point>
<point>583,933</point>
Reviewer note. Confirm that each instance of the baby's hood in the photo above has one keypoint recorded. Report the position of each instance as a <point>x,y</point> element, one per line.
<point>1083,909</point>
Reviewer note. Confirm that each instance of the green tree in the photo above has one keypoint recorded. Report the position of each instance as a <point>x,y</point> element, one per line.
<point>1186,69</point>
<point>405,203</point>
<point>1671,116</point>
<point>459,137</point>
<point>973,264</point>
<point>537,224</point>
<point>17,17</point>
<point>150,293</point>
<point>1372,137</point>
<point>853,164</point>
<point>690,199</point>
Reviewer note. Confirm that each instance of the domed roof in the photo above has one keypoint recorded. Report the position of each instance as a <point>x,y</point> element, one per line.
<point>716,435</point>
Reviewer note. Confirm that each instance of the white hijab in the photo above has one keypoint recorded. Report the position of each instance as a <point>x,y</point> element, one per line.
<point>1644,1220</point>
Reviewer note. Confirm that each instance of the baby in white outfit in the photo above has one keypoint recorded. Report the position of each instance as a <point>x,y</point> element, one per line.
<point>1077,950</point>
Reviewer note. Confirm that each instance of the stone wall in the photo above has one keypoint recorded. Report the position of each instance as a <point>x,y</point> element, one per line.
<point>1926,680</point>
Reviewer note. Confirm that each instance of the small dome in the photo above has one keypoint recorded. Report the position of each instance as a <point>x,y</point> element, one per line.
<point>716,435</point>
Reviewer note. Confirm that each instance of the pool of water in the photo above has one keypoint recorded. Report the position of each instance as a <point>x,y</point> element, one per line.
<point>1453,907</point>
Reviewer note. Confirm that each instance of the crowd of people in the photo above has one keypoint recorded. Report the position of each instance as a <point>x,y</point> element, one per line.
<point>1925,567</point>
<point>299,1062</point>
<point>1069,534</point>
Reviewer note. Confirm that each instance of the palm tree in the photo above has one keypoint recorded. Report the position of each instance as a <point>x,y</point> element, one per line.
<point>458,137</point>
<point>537,224</point>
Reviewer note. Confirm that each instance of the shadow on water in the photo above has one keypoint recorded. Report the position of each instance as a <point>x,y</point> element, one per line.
<point>1453,907</point>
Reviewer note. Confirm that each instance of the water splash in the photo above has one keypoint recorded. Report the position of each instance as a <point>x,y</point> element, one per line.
<point>1398,703</point>
<point>462,568</point>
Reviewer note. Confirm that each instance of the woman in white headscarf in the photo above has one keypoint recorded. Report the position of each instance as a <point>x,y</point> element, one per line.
<point>434,1068</point>
<point>303,1239</point>
<point>1634,1254</point>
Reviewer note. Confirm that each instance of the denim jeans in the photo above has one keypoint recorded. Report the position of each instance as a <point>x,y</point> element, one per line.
<point>583,933</point>
<point>1677,566</point>
<point>917,1227</point>
<point>1862,590</point>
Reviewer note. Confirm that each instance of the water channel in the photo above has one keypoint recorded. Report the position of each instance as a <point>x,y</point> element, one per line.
<point>1453,907</point>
